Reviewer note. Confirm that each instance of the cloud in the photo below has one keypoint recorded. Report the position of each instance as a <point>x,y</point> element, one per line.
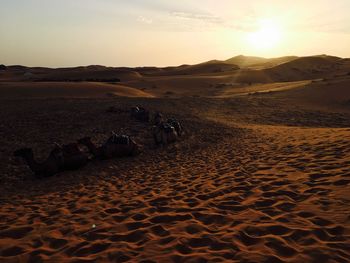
<point>192,21</point>
<point>210,21</point>
<point>198,16</point>
<point>144,20</point>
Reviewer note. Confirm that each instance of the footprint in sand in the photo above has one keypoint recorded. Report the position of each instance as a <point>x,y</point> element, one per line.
<point>16,232</point>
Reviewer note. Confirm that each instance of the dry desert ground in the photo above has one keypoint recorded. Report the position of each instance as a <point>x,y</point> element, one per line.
<point>262,173</point>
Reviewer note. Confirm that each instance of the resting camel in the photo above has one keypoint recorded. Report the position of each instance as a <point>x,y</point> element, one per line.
<point>61,158</point>
<point>115,146</point>
<point>140,114</point>
<point>177,125</point>
<point>164,133</point>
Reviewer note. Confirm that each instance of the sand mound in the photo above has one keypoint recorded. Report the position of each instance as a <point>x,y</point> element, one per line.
<point>256,89</point>
<point>67,90</point>
<point>305,68</point>
<point>245,61</point>
<point>89,73</point>
<point>258,62</point>
<point>324,93</point>
<point>206,68</point>
<point>182,85</point>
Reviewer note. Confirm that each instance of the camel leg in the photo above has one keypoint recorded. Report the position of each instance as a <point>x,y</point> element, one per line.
<point>155,137</point>
<point>164,138</point>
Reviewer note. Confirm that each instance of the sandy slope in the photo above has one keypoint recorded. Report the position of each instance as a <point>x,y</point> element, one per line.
<point>181,86</point>
<point>234,189</point>
<point>306,68</point>
<point>89,73</point>
<point>262,88</point>
<point>324,93</point>
<point>199,69</point>
<point>67,89</point>
<point>258,62</point>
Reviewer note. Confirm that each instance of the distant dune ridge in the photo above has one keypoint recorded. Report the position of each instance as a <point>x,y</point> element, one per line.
<point>232,77</point>
<point>256,62</point>
<point>311,64</point>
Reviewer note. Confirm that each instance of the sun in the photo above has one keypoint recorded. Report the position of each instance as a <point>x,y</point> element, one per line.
<point>267,36</point>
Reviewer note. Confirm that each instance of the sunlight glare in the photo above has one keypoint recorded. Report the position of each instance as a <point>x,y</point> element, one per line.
<point>268,35</point>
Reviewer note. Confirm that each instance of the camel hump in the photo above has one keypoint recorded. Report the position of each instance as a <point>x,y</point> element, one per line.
<point>175,123</point>
<point>71,148</point>
<point>119,139</point>
<point>172,120</point>
<point>167,127</point>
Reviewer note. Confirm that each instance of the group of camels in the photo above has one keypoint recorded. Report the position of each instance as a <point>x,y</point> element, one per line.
<point>164,131</point>
<point>72,157</point>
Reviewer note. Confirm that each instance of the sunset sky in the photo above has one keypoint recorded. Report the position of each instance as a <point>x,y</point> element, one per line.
<point>60,33</point>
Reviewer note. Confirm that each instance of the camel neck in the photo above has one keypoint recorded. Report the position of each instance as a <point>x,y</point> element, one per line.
<point>34,165</point>
<point>92,148</point>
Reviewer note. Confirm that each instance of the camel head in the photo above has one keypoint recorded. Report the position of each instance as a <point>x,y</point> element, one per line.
<point>134,110</point>
<point>158,118</point>
<point>57,145</point>
<point>136,148</point>
<point>158,115</point>
<point>23,152</point>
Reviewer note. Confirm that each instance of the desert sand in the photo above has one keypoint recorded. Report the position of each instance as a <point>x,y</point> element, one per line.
<point>261,175</point>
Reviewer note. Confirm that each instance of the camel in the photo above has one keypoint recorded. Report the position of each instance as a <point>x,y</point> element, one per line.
<point>177,125</point>
<point>115,146</point>
<point>73,157</point>
<point>140,114</point>
<point>61,158</point>
<point>158,118</point>
<point>164,134</point>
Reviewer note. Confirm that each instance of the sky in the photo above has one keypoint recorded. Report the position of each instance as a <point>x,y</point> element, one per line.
<point>58,33</point>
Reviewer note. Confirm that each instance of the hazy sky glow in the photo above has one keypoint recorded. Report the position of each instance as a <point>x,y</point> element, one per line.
<point>59,33</point>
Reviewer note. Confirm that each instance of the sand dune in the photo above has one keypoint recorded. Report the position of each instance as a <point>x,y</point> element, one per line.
<point>305,68</point>
<point>67,90</point>
<point>89,73</point>
<point>210,67</point>
<point>207,79</point>
<point>191,81</point>
<point>258,62</point>
<point>262,88</point>
<point>324,93</point>
<point>181,86</point>
<point>261,175</point>
<point>234,189</point>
